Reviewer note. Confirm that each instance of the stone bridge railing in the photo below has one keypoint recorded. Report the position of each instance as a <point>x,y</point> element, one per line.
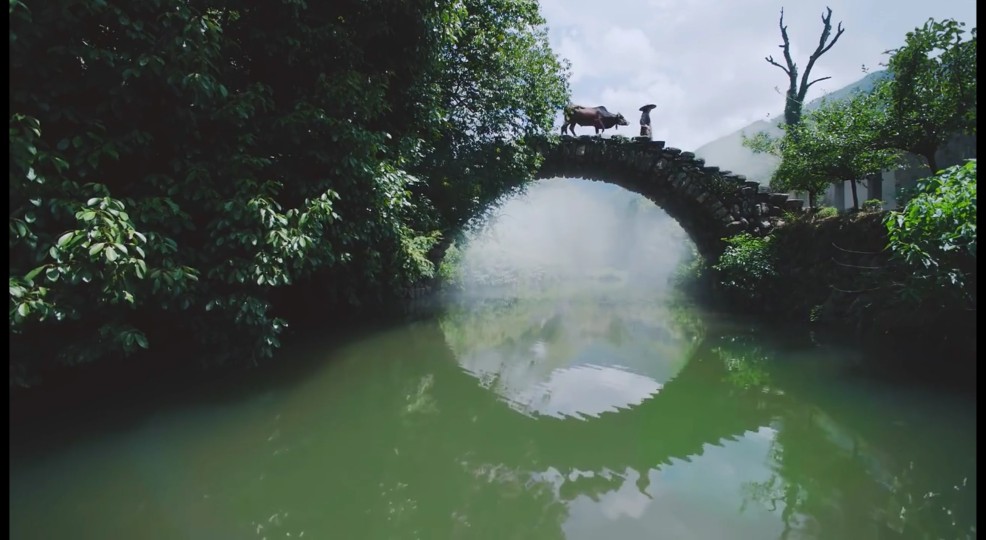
<point>708,203</point>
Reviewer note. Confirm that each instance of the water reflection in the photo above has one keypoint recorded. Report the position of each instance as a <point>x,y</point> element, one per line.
<point>589,407</point>
<point>578,357</point>
<point>391,438</point>
<point>844,460</point>
<point>774,460</point>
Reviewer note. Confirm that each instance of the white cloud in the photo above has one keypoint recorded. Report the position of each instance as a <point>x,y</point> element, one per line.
<point>702,62</point>
<point>613,51</point>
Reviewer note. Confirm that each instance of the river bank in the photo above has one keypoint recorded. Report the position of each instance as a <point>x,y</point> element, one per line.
<point>836,275</point>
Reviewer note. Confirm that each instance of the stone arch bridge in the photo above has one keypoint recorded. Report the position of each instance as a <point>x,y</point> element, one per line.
<point>708,203</point>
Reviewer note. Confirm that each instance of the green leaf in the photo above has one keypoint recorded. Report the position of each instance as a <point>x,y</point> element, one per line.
<point>96,248</point>
<point>17,291</point>
<point>64,239</point>
<point>34,273</point>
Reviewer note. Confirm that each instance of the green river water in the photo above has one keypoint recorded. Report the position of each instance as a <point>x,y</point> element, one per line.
<point>581,417</point>
<point>591,409</point>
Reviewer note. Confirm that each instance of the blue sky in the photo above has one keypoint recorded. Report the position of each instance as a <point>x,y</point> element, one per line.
<point>702,61</point>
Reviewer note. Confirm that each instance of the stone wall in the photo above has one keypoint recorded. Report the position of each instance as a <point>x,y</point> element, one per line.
<point>828,263</point>
<point>708,203</point>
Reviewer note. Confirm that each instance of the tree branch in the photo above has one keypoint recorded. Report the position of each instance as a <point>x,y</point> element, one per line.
<point>816,80</point>
<point>792,69</point>
<point>827,22</point>
<point>821,49</point>
<point>771,60</point>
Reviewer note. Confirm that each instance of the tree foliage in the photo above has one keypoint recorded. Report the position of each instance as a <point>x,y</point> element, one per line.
<point>836,142</point>
<point>500,82</point>
<point>205,168</point>
<point>795,172</point>
<point>746,265</point>
<point>931,94</point>
<point>929,97</point>
<point>935,237</point>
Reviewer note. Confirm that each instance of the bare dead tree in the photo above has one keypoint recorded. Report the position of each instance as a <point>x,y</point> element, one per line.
<point>796,92</point>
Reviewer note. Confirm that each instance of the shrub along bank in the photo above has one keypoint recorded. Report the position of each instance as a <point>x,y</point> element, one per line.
<point>908,275</point>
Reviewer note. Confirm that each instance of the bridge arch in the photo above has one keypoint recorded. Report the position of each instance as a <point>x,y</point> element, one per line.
<point>708,203</point>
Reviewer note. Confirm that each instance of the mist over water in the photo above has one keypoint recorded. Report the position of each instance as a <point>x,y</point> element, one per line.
<point>562,309</point>
<point>575,232</point>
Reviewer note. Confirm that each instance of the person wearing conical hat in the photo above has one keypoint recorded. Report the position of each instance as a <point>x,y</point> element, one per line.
<point>645,130</point>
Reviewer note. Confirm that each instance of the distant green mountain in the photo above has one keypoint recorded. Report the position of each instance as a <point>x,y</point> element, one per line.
<point>728,152</point>
<point>866,84</point>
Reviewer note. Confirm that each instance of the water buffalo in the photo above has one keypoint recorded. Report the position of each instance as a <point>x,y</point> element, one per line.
<point>597,117</point>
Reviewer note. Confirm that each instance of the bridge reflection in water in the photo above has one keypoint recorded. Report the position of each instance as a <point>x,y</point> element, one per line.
<point>433,429</point>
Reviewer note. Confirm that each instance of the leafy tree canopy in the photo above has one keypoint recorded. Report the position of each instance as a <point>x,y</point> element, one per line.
<point>208,168</point>
<point>834,143</point>
<point>931,94</point>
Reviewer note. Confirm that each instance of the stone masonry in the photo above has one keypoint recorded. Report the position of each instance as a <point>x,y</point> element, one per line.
<point>708,203</point>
